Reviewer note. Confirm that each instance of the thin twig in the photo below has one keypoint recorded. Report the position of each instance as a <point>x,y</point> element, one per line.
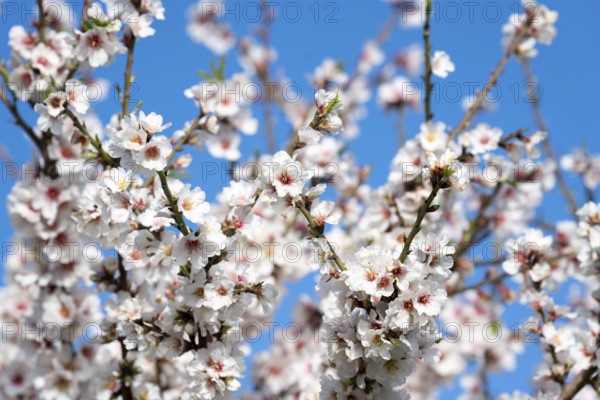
<point>490,280</point>
<point>428,67</point>
<point>493,79</point>
<point>93,140</point>
<point>504,141</point>
<point>125,367</point>
<point>265,77</point>
<point>475,225</point>
<point>541,125</point>
<point>317,232</point>
<point>578,383</point>
<point>127,83</point>
<point>173,203</point>
<point>42,21</point>
<point>49,166</point>
<point>382,36</point>
<point>420,216</point>
<point>178,146</point>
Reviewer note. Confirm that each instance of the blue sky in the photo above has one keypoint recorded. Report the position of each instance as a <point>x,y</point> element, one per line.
<point>168,63</point>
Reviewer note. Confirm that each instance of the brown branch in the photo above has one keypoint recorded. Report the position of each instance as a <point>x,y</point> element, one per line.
<point>476,225</point>
<point>94,141</point>
<point>127,85</point>
<point>420,216</point>
<point>428,67</point>
<point>493,79</point>
<point>579,382</point>
<point>490,280</point>
<point>265,77</point>
<point>49,167</point>
<point>173,203</point>
<point>541,125</point>
<point>177,148</point>
<point>42,21</point>
<point>317,232</point>
<point>381,37</point>
<point>503,142</point>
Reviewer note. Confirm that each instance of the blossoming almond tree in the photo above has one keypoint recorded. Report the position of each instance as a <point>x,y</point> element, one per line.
<point>107,214</point>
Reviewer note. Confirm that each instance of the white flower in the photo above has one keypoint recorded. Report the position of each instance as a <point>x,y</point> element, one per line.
<point>256,57</point>
<point>21,41</point>
<point>196,249</point>
<point>219,293</point>
<point>373,340</point>
<point>446,167</point>
<point>441,64</point>
<point>17,378</point>
<point>526,254</point>
<point>45,60</point>
<point>432,136</point>
<point>402,313</point>
<point>225,146</point>
<point>371,272</point>
<point>411,59</point>
<point>325,99</point>
<point>46,122</point>
<point>118,179</point>
<point>204,26</point>
<point>332,123</point>
<point>560,338</point>
<point>482,139</point>
<point>325,211</point>
<point>152,123</point>
<point>77,96</point>
<point>239,194</point>
<point>23,82</point>
<point>132,139</point>
<point>530,143</point>
<point>285,174</point>
<point>398,93</point>
<point>98,46</point>
<point>308,135</point>
<point>192,204</point>
<point>140,24</point>
<point>370,57</point>
<point>154,154</point>
<point>56,102</point>
<point>429,299</point>
<point>328,105</point>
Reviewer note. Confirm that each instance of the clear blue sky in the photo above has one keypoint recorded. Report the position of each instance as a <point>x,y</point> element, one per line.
<point>168,63</point>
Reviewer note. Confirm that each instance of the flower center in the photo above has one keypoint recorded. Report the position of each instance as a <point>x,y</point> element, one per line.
<point>94,41</point>
<point>423,299</point>
<point>152,152</point>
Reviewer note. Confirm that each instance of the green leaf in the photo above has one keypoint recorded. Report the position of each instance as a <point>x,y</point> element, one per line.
<point>205,75</point>
<point>217,72</point>
<point>333,103</point>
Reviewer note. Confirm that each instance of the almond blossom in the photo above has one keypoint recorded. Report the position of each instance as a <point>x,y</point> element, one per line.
<point>127,279</point>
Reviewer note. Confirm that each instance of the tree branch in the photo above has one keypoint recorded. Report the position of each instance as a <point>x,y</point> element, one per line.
<point>317,232</point>
<point>493,79</point>
<point>127,84</point>
<point>541,125</point>
<point>420,216</point>
<point>94,141</point>
<point>428,67</point>
<point>173,203</point>
<point>578,383</point>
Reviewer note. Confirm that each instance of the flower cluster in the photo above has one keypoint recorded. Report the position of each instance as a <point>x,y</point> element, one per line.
<point>535,25</point>
<point>112,240</point>
<point>224,111</point>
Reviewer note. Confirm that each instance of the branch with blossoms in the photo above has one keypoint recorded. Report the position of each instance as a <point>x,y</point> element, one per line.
<point>179,288</point>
